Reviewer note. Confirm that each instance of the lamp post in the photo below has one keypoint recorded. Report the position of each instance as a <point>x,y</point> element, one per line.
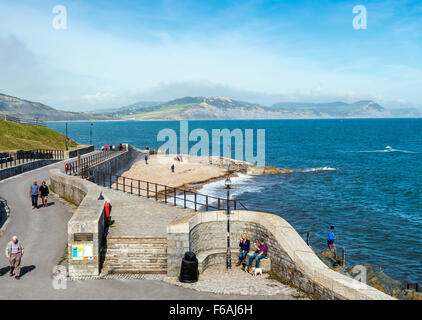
<point>67,148</point>
<point>90,133</point>
<point>228,256</point>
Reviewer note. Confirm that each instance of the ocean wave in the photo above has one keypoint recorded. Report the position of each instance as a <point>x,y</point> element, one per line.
<point>241,184</point>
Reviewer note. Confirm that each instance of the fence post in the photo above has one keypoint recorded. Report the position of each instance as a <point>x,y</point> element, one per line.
<point>195,201</point>
<point>165,194</point>
<point>131,186</point>
<point>218,205</point>
<point>156,193</point>
<point>147,189</point>
<point>110,180</point>
<point>174,195</point>
<point>343,254</point>
<point>184,198</point>
<point>206,203</point>
<point>307,238</point>
<point>124,184</point>
<point>139,188</point>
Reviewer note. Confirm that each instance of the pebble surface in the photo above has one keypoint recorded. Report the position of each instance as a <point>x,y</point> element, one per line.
<point>216,279</point>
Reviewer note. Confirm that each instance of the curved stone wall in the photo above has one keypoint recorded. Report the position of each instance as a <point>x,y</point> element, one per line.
<point>291,258</point>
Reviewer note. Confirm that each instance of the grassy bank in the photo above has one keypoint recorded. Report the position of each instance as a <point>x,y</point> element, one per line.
<point>26,137</point>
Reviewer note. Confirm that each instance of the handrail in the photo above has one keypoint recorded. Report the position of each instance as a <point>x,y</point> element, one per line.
<point>81,166</point>
<point>8,159</point>
<point>175,195</point>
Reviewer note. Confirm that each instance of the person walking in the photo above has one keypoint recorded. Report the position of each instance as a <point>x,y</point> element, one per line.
<point>14,252</point>
<point>44,192</point>
<point>146,159</point>
<point>172,168</point>
<point>244,245</point>
<point>34,192</point>
<point>330,240</point>
<point>261,252</point>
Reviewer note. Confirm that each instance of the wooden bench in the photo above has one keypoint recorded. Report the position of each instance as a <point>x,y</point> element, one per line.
<point>218,256</point>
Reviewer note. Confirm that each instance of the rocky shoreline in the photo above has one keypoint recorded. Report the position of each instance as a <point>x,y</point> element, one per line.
<point>377,279</point>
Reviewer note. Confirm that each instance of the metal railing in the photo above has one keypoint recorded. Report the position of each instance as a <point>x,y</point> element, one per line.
<point>81,166</point>
<point>3,204</point>
<point>177,196</point>
<point>8,159</point>
<point>34,122</point>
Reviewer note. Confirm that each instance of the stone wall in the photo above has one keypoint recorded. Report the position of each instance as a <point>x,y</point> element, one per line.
<point>113,165</point>
<point>18,169</point>
<point>82,150</point>
<point>88,219</point>
<point>291,258</point>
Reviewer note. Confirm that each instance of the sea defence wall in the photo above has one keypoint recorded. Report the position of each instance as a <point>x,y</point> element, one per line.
<point>15,170</point>
<point>32,165</point>
<point>81,150</point>
<point>111,166</point>
<point>291,259</point>
<point>86,228</point>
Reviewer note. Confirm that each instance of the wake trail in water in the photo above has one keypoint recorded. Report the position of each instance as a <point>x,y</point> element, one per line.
<point>387,149</point>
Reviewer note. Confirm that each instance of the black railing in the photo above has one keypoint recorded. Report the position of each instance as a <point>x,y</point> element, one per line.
<point>81,166</point>
<point>3,204</point>
<point>34,122</point>
<point>176,196</point>
<point>23,156</point>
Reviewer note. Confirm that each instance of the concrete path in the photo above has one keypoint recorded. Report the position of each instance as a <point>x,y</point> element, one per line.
<point>43,233</point>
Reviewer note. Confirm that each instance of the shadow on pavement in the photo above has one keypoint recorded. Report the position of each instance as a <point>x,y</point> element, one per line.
<point>4,270</point>
<point>27,269</point>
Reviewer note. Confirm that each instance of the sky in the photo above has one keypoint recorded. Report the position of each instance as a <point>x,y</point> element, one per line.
<point>115,53</point>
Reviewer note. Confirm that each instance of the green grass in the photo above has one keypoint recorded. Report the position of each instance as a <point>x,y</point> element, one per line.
<point>16,136</point>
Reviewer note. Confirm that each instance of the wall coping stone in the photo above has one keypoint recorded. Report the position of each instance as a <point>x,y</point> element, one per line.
<point>305,260</point>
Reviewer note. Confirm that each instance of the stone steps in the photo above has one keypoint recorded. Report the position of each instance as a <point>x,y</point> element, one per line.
<point>135,255</point>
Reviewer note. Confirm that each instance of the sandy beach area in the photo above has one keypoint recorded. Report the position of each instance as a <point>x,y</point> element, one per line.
<point>158,170</point>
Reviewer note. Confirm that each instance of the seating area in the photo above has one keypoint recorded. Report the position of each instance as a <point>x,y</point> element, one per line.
<point>218,256</point>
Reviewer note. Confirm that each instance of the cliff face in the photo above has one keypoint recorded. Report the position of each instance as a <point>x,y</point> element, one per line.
<point>223,108</point>
<point>20,108</point>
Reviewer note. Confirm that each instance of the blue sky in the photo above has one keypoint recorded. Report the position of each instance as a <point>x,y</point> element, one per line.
<point>117,53</point>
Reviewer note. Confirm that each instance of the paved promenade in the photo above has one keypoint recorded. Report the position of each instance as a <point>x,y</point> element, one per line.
<point>43,233</point>
<point>139,216</point>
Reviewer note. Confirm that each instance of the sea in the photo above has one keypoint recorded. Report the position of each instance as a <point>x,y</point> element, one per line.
<point>364,176</point>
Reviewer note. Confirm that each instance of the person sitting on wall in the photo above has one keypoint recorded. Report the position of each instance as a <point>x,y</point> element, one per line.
<point>261,252</point>
<point>244,249</point>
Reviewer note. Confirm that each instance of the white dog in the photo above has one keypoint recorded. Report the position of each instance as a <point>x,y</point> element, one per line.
<point>256,271</point>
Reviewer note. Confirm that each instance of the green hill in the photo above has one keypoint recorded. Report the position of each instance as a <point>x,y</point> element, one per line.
<point>26,137</point>
<point>215,108</point>
<point>25,109</point>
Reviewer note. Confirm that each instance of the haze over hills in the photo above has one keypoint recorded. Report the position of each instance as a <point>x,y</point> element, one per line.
<point>214,108</point>
<point>206,108</point>
<point>21,108</point>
